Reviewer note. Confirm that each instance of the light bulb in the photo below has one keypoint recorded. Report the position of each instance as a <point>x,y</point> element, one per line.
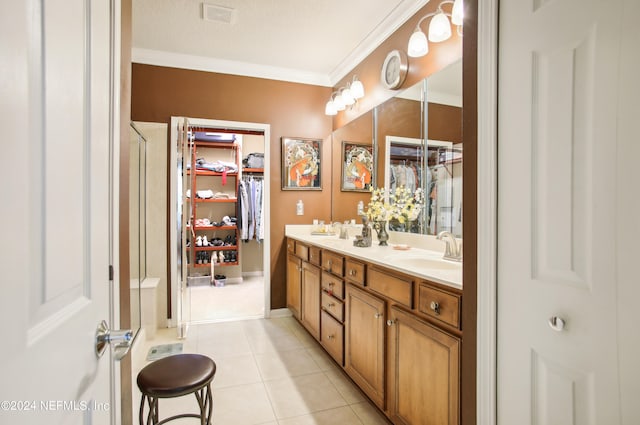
<point>357,89</point>
<point>330,109</point>
<point>457,13</point>
<point>418,44</point>
<point>347,97</point>
<point>439,28</point>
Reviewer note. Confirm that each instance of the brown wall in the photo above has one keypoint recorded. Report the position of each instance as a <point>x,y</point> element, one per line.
<point>292,109</point>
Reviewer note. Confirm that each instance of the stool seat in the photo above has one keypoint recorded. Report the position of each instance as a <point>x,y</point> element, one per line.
<point>176,375</point>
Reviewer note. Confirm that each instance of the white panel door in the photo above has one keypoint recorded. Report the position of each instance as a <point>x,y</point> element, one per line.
<point>55,102</point>
<point>558,208</point>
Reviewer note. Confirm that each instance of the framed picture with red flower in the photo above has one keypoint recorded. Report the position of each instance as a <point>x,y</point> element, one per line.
<point>301,164</point>
<point>357,167</point>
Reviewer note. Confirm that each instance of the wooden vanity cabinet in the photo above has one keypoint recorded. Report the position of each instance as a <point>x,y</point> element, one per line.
<point>310,294</point>
<point>364,342</point>
<point>424,365</point>
<point>294,274</point>
<point>397,336</point>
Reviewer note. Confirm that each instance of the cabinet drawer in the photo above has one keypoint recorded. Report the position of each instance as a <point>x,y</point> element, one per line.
<point>439,305</point>
<point>333,263</point>
<point>394,287</point>
<point>332,337</point>
<point>333,285</point>
<point>354,272</point>
<point>302,251</point>
<point>314,255</point>
<point>333,306</point>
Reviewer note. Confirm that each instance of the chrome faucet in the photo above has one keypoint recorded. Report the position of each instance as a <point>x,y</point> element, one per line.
<point>453,250</point>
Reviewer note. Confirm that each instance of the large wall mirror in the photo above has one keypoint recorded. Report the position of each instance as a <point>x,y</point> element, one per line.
<point>137,220</point>
<point>422,148</point>
<point>352,167</point>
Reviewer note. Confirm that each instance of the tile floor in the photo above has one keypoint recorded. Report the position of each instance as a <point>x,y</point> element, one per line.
<point>235,300</point>
<point>269,372</point>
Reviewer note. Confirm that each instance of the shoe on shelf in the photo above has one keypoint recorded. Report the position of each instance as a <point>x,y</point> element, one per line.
<point>205,242</point>
<point>221,257</point>
<point>199,241</point>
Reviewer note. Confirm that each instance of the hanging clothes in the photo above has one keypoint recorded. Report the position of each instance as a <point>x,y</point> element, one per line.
<point>251,208</point>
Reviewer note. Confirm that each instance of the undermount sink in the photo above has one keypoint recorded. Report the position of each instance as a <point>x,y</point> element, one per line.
<point>430,263</point>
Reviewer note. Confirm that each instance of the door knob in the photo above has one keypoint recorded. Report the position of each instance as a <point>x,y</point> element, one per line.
<point>105,336</point>
<point>557,323</point>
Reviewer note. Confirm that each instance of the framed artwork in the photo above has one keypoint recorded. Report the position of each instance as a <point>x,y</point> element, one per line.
<point>301,164</point>
<point>357,167</point>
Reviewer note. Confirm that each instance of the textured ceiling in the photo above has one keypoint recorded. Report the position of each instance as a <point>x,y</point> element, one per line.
<point>312,41</point>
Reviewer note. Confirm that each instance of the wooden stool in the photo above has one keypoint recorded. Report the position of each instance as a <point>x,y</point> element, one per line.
<point>175,376</point>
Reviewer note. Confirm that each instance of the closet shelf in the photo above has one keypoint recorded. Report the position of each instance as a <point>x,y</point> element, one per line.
<point>213,227</point>
<point>216,264</point>
<point>211,173</point>
<point>217,248</point>
<point>253,170</point>
<point>214,200</point>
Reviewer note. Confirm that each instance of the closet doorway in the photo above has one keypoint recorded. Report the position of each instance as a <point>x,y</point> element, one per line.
<point>219,215</point>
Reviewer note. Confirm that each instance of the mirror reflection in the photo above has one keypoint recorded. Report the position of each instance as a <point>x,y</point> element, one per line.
<point>352,167</point>
<point>137,220</point>
<point>434,167</point>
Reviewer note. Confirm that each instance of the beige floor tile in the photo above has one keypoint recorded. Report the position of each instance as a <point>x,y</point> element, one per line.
<point>347,389</point>
<point>283,364</point>
<point>368,414</point>
<point>242,405</point>
<point>233,301</point>
<point>236,370</point>
<point>322,359</point>
<point>267,343</point>
<point>224,345</point>
<point>303,394</point>
<point>340,415</point>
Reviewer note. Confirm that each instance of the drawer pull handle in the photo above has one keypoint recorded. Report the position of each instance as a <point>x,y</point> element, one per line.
<point>391,322</point>
<point>352,272</point>
<point>329,263</point>
<point>435,306</point>
<point>331,305</point>
<point>331,284</point>
<point>377,315</point>
<point>331,336</point>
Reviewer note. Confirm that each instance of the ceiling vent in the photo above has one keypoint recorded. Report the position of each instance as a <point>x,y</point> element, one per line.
<point>215,13</point>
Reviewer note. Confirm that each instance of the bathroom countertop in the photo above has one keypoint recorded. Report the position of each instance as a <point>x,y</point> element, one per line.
<point>423,259</point>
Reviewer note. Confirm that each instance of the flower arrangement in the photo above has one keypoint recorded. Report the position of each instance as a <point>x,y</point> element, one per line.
<point>402,205</point>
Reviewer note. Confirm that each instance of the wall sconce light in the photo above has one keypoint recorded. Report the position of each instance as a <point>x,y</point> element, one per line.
<point>439,28</point>
<point>345,97</point>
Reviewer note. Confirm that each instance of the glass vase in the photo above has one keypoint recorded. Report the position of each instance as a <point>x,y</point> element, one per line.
<point>381,229</point>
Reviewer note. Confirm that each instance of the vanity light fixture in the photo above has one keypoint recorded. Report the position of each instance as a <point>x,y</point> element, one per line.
<point>439,28</point>
<point>345,97</point>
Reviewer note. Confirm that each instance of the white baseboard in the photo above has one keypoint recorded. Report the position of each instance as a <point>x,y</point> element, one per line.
<point>252,274</point>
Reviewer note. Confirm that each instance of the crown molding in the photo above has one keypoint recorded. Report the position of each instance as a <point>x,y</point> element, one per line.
<point>222,66</point>
<point>402,12</point>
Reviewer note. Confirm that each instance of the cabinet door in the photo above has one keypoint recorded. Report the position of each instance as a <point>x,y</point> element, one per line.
<point>293,284</point>
<point>424,369</point>
<point>364,345</point>
<point>311,299</point>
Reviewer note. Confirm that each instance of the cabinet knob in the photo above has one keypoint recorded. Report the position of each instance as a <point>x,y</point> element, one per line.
<point>331,336</point>
<point>391,322</point>
<point>329,263</point>
<point>557,323</point>
<point>332,304</point>
<point>377,315</point>
<point>331,284</point>
<point>435,306</point>
<point>352,272</point>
